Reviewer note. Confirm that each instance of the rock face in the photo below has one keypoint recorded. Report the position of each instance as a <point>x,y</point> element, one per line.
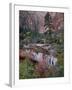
<point>35,20</point>
<point>28,20</point>
<point>57,20</point>
<point>41,19</point>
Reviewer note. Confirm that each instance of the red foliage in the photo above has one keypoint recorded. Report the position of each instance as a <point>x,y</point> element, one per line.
<point>41,68</point>
<point>21,55</point>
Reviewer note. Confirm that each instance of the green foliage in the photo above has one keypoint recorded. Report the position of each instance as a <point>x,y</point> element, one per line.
<point>26,69</point>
